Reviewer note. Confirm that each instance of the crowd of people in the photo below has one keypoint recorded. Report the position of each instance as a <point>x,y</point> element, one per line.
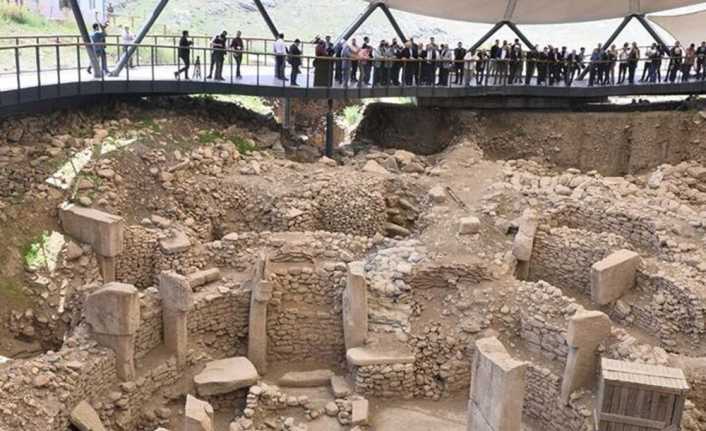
<point>409,63</point>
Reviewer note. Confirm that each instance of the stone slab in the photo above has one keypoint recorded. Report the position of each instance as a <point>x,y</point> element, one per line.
<point>497,388</point>
<point>613,276</point>
<point>340,387</point>
<point>198,415</point>
<point>206,276</point>
<point>85,418</point>
<point>103,231</point>
<point>523,243</point>
<point>225,376</point>
<point>177,243</point>
<point>355,306</point>
<point>175,291</point>
<point>364,356</point>
<point>113,309</point>
<point>360,414</point>
<point>469,225</point>
<point>306,379</point>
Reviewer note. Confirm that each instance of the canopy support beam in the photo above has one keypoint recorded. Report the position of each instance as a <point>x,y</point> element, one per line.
<point>350,31</point>
<point>81,23</point>
<point>139,38</point>
<point>496,28</point>
<point>621,27</point>
<point>270,24</point>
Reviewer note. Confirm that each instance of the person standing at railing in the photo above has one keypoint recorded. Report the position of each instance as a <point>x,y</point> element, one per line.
<point>654,55</point>
<point>409,64</point>
<point>346,58</point>
<point>701,61</point>
<point>280,50</point>
<point>322,66</point>
<point>295,60</point>
<point>553,66</point>
<point>633,59</point>
<point>459,57</point>
<point>612,54</point>
<point>469,67</point>
<point>481,67</point>
<point>218,54</point>
<point>594,65</point>
<point>494,57</point>
<point>623,56</point>
<point>184,55</point>
<point>446,57</point>
<point>516,63</point>
<point>237,47</point>
<point>572,66</point>
<point>364,64</point>
<point>98,41</point>
<point>378,63</point>
<point>675,61</point>
<point>689,61</point>
<point>397,64</point>
<point>542,66</point>
<point>127,39</point>
<point>531,59</point>
<point>389,57</point>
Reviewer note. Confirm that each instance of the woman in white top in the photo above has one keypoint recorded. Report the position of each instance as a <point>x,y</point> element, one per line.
<point>127,39</point>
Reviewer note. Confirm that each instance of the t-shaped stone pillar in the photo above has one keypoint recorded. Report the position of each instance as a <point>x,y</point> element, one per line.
<point>260,296</point>
<point>524,242</point>
<point>586,332</point>
<point>355,307</point>
<point>497,388</point>
<point>177,300</point>
<point>613,276</point>
<point>114,315</point>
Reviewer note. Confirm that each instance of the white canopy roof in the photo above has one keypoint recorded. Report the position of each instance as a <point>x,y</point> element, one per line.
<point>689,28</point>
<point>534,11</point>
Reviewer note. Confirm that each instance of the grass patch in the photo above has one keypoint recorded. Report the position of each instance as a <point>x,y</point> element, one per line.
<point>17,14</point>
<point>33,253</point>
<point>207,137</point>
<point>244,146</point>
<point>149,123</point>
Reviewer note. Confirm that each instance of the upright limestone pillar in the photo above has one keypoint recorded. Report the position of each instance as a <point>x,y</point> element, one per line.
<point>524,242</point>
<point>355,307</point>
<point>497,389</point>
<point>177,300</point>
<point>114,315</point>
<point>260,296</point>
<point>586,332</point>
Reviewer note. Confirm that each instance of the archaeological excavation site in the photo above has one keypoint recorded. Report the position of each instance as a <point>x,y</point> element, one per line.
<point>186,264</point>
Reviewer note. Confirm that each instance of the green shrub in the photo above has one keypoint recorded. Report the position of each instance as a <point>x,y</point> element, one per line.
<point>15,13</point>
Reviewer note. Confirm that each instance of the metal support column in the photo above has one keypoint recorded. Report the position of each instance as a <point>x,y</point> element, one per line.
<point>651,31</point>
<point>609,42</point>
<point>286,112</point>
<point>388,13</point>
<point>266,17</point>
<point>487,36</point>
<point>350,31</point>
<point>139,38</point>
<point>519,34</point>
<point>81,23</point>
<point>328,151</point>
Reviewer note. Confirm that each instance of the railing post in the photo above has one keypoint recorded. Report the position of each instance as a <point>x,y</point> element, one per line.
<point>152,54</point>
<point>17,69</point>
<point>78,65</point>
<point>58,71</point>
<point>39,72</point>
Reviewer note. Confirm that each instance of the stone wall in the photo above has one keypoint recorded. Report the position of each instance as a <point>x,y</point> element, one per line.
<point>638,229</point>
<point>143,258</point>
<point>239,250</point>
<point>671,303</point>
<point>304,317</point>
<point>563,256</point>
<point>542,403</point>
<point>385,381</point>
<point>544,319</point>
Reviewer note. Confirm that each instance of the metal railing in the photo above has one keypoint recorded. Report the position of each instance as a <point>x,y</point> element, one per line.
<point>38,66</point>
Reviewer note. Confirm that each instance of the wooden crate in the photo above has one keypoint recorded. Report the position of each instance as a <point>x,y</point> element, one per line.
<point>637,397</point>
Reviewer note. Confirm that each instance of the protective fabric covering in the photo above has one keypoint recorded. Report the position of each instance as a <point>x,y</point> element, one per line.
<point>689,28</point>
<point>534,11</point>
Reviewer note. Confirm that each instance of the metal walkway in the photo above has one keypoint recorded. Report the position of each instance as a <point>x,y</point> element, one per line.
<point>21,89</point>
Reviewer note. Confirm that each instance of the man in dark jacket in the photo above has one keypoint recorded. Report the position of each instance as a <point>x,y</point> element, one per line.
<point>459,55</point>
<point>218,54</point>
<point>184,55</point>
<point>237,46</point>
<point>295,61</point>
